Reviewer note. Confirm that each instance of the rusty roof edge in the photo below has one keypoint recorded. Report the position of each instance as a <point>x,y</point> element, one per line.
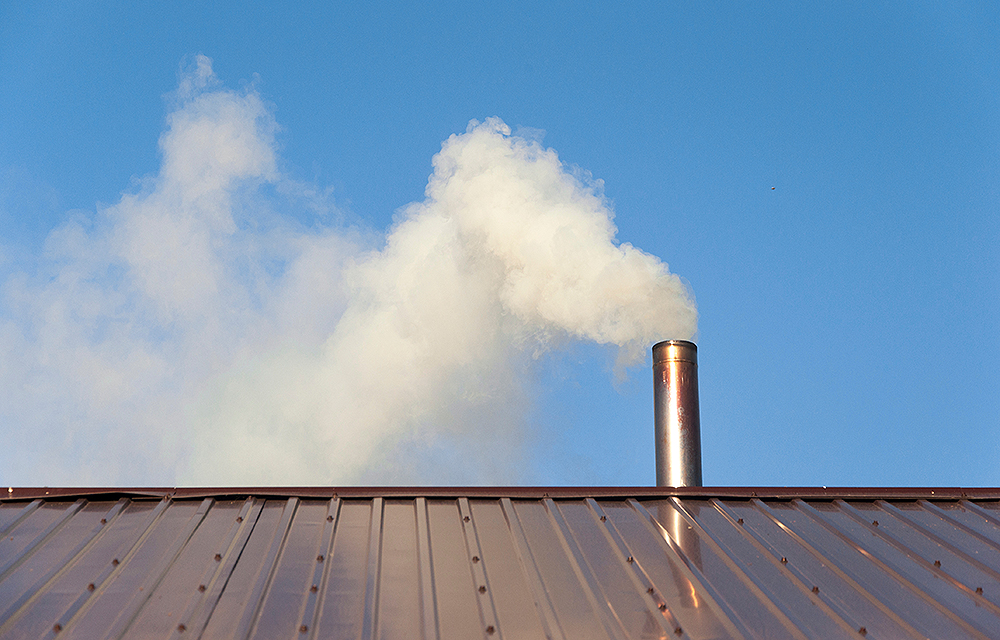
<point>814,493</point>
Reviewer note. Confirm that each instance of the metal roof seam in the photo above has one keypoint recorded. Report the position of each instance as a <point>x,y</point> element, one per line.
<point>953,522</point>
<point>26,511</point>
<point>40,539</point>
<point>313,605</point>
<point>952,550</point>
<point>810,512</point>
<point>584,573</point>
<point>790,571</point>
<point>975,508</point>
<point>487,607</point>
<point>666,618</point>
<point>369,624</point>
<point>124,553</point>
<point>908,584</point>
<point>429,626</point>
<point>543,604</point>
<point>18,606</point>
<point>154,577</point>
<point>827,563</point>
<point>935,568</point>
<point>692,573</point>
<point>214,579</point>
<point>248,622</point>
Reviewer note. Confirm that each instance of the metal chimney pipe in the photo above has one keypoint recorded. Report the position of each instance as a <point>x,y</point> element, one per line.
<point>675,413</point>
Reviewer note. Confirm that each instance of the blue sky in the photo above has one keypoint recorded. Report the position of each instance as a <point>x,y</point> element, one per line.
<point>823,177</point>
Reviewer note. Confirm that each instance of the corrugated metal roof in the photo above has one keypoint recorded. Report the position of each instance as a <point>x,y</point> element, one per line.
<point>500,563</point>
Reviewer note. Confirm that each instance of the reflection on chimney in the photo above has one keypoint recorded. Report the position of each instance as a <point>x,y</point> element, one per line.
<point>687,542</point>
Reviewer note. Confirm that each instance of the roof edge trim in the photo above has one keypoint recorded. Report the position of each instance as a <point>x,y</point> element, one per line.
<point>514,492</point>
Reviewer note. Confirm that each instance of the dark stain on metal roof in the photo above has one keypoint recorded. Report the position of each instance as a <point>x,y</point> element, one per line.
<point>500,563</point>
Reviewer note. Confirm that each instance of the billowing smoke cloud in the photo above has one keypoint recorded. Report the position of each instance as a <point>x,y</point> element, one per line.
<point>193,334</point>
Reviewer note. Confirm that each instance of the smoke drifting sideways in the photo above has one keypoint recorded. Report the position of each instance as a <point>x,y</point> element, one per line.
<point>197,333</point>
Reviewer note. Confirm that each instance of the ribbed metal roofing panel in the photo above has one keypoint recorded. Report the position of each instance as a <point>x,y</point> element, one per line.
<point>499,563</point>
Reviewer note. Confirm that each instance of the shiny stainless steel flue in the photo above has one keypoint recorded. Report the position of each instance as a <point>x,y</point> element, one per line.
<point>675,409</point>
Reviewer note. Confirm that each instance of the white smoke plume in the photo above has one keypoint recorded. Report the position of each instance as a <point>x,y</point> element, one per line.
<point>191,334</point>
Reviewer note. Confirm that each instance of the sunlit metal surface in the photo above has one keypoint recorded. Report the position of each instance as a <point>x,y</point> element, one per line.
<point>509,563</point>
<point>677,424</point>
